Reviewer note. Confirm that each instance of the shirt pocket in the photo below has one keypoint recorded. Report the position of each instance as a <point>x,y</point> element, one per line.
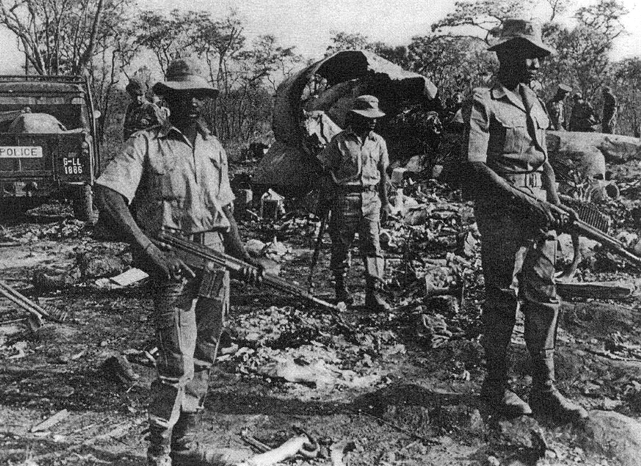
<point>513,129</point>
<point>542,123</point>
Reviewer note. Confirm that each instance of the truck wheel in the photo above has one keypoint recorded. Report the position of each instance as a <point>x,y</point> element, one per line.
<point>83,204</point>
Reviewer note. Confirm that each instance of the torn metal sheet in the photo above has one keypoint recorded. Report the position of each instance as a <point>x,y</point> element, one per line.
<point>310,109</point>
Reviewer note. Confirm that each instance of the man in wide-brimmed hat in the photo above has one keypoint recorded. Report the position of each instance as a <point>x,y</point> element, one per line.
<point>356,160</point>
<point>175,177</point>
<point>506,150</point>
<point>556,108</point>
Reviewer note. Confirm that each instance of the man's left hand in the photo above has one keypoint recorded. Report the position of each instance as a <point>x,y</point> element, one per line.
<point>253,273</point>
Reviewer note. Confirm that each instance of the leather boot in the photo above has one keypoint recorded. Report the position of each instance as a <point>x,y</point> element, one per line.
<point>185,451</point>
<point>374,299</point>
<point>495,392</point>
<point>545,398</point>
<point>158,453</point>
<point>342,293</point>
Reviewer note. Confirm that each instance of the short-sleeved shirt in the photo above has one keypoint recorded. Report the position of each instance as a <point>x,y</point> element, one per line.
<point>497,132</point>
<point>354,161</point>
<point>170,183</point>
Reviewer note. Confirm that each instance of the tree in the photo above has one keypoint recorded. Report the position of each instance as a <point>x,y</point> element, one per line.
<point>170,37</point>
<point>58,36</point>
<point>347,41</point>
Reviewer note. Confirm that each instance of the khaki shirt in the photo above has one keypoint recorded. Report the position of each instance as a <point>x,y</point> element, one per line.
<point>355,162</point>
<point>170,183</point>
<point>497,132</point>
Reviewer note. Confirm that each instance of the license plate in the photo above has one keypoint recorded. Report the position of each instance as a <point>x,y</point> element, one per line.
<point>72,166</point>
<point>20,152</point>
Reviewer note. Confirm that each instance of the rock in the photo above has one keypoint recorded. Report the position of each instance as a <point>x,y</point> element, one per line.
<point>615,435</point>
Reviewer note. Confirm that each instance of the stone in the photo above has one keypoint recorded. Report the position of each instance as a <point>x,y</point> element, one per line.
<point>615,435</point>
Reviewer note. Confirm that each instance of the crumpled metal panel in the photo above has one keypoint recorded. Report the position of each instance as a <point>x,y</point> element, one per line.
<point>347,74</point>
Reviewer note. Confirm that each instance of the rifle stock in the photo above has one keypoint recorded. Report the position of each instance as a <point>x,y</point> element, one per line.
<point>585,229</point>
<point>200,256</point>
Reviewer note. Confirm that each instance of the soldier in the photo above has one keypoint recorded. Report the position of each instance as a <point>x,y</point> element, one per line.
<point>583,117</point>
<point>357,160</point>
<point>176,177</point>
<point>140,114</point>
<point>505,146</point>
<point>609,120</point>
<point>556,108</point>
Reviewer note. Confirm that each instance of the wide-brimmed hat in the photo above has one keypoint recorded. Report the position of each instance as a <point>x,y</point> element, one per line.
<point>184,74</point>
<point>367,106</point>
<point>564,88</point>
<point>522,30</point>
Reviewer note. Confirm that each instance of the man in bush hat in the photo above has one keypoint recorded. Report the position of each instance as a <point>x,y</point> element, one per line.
<point>506,151</point>
<point>356,160</point>
<point>556,108</point>
<point>175,176</point>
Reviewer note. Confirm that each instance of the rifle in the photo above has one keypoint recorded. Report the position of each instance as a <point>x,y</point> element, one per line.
<point>199,256</point>
<point>582,228</point>
<point>36,312</point>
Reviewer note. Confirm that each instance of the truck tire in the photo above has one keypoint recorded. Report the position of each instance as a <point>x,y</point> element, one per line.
<point>83,204</point>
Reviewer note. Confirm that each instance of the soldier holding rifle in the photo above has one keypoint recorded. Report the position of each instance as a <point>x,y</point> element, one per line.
<point>176,177</point>
<point>506,149</point>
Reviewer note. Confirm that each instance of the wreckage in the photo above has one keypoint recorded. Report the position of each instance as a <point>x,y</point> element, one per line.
<point>310,109</point>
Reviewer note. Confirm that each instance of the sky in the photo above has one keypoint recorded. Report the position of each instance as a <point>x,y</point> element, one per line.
<point>308,24</point>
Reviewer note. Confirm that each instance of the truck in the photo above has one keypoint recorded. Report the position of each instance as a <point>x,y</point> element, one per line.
<point>49,148</point>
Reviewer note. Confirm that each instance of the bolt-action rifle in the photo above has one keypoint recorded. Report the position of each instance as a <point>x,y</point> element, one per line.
<point>583,228</point>
<point>199,256</point>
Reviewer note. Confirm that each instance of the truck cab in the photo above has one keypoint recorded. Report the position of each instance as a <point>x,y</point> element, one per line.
<point>48,142</point>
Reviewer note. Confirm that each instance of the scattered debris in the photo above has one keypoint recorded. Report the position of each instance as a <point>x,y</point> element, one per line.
<point>50,422</point>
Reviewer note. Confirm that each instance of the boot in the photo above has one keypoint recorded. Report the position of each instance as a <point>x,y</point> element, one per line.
<point>342,293</point>
<point>545,398</point>
<point>185,451</point>
<point>158,453</point>
<point>373,297</point>
<point>496,393</point>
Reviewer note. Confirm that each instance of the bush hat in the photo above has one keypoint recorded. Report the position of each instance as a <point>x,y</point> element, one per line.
<point>367,106</point>
<point>184,74</point>
<point>522,30</point>
<point>564,88</point>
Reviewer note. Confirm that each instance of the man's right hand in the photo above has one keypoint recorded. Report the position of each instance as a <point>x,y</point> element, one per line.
<point>168,266</point>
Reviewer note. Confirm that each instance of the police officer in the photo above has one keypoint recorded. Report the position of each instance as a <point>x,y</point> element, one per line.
<point>556,108</point>
<point>176,177</point>
<point>506,149</point>
<point>357,160</point>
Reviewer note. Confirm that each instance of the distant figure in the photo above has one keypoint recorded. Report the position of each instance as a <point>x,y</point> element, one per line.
<point>609,120</point>
<point>556,108</point>
<point>141,114</point>
<point>583,117</point>
<point>453,115</point>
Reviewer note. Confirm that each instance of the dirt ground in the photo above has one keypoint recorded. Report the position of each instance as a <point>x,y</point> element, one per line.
<point>372,379</point>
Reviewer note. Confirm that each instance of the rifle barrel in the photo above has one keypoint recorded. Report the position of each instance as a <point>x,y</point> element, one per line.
<point>225,260</point>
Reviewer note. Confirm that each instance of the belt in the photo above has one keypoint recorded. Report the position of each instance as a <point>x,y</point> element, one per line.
<point>350,188</point>
<point>528,180</point>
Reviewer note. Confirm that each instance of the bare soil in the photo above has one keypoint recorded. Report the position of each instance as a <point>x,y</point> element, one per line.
<point>400,400</point>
